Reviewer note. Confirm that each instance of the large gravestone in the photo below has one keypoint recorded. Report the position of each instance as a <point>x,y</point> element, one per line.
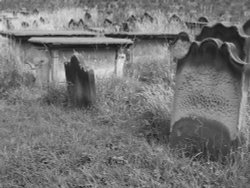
<point>210,88</point>
<point>227,33</point>
<point>81,83</point>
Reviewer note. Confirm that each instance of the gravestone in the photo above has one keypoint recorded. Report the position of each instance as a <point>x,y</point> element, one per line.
<point>203,19</point>
<point>146,17</point>
<point>35,12</point>
<point>120,62</point>
<point>174,18</point>
<point>25,24</point>
<point>180,46</point>
<point>87,16</point>
<point>81,83</point>
<point>227,34</point>
<point>72,24</point>
<point>42,20</point>
<point>211,86</point>
<point>35,24</point>
<point>81,24</point>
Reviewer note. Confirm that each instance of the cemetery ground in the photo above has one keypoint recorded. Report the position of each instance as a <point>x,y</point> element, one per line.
<point>120,142</point>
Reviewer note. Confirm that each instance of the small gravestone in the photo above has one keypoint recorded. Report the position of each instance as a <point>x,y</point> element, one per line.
<point>107,22</point>
<point>42,20</point>
<point>120,62</point>
<point>203,19</point>
<point>25,24</point>
<point>131,19</point>
<point>125,27</point>
<point>81,24</point>
<point>146,17</point>
<point>87,16</point>
<point>211,86</point>
<point>72,24</point>
<point>81,83</point>
<point>180,45</point>
<point>35,12</point>
<point>35,24</point>
<point>227,34</point>
<point>174,18</point>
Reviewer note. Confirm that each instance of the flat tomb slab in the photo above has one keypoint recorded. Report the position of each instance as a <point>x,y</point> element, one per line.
<point>46,33</point>
<point>141,35</point>
<point>66,41</point>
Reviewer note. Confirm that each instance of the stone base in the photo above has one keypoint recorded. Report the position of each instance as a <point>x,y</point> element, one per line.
<point>198,135</point>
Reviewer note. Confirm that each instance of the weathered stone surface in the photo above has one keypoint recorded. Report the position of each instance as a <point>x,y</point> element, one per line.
<point>207,109</point>
<point>180,46</point>
<point>81,83</point>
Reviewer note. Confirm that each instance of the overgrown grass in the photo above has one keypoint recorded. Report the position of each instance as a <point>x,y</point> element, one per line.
<point>110,145</point>
<point>59,20</point>
<point>120,142</point>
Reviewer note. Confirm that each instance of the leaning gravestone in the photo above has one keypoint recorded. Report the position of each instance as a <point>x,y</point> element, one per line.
<point>210,88</point>
<point>81,83</point>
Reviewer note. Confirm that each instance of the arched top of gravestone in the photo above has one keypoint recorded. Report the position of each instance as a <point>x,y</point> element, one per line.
<point>212,48</point>
<point>174,18</point>
<point>226,33</point>
<point>25,24</point>
<point>72,23</point>
<point>35,11</point>
<point>246,27</point>
<point>42,20</point>
<point>82,24</point>
<point>147,17</point>
<point>182,36</point>
<point>108,21</point>
<point>87,16</point>
<point>203,19</point>
<point>132,18</point>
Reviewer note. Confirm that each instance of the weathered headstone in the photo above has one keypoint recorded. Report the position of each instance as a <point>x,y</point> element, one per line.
<point>35,24</point>
<point>210,89</point>
<point>180,45</point>
<point>87,16</point>
<point>25,24</point>
<point>72,24</point>
<point>42,20</point>
<point>81,83</point>
<point>81,24</point>
<point>174,18</point>
<point>146,17</point>
<point>227,34</point>
<point>203,19</point>
<point>120,62</point>
<point>35,11</point>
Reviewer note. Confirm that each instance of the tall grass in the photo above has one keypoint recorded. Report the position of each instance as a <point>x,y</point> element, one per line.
<point>59,19</point>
